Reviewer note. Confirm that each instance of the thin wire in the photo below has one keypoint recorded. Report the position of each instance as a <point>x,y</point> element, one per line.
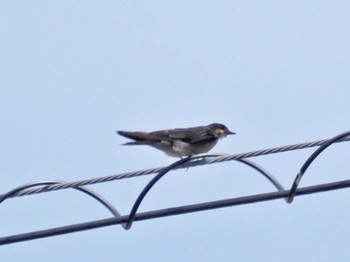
<point>211,159</point>
<point>173,211</point>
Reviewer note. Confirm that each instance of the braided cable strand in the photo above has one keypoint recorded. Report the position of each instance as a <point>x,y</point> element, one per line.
<point>207,159</point>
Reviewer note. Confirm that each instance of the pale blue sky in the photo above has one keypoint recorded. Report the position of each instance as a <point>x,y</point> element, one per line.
<point>275,72</point>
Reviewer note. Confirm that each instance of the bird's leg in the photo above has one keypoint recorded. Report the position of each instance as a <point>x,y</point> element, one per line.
<point>188,157</point>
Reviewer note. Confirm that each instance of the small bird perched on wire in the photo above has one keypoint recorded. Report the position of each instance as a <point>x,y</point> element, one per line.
<point>180,142</point>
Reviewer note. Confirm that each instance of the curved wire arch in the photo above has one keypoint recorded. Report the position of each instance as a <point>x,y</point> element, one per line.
<point>183,161</point>
<point>148,187</point>
<point>264,172</point>
<point>89,192</point>
<point>308,162</point>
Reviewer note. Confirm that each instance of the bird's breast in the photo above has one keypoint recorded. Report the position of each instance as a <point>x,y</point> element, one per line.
<point>181,148</point>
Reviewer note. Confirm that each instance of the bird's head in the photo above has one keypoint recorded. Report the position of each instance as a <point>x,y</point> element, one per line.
<point>220,130</point>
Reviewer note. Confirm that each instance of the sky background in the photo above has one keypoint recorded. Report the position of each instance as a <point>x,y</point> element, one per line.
<point>73,72</point>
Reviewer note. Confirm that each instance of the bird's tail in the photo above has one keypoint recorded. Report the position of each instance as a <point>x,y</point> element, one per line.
<point>141,138</point>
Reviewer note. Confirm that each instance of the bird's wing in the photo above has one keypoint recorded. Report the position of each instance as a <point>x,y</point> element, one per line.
<point>189,135</point>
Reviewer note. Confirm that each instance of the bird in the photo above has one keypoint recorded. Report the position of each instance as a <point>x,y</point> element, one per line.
<point>180,142</point>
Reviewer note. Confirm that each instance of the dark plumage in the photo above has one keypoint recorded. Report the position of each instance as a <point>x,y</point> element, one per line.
<point>180,142</point>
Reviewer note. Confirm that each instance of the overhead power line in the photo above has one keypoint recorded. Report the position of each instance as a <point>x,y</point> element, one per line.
<point>127,220</point>
<point>172,211</point>
<point>204,160</point>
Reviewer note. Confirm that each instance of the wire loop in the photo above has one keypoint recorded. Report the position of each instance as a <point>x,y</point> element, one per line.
<point>308,162</point>
<point>89,192</point>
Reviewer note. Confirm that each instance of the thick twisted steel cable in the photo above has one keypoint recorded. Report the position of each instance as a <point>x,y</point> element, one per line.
<point>205,160</point>
<point>173,211</point>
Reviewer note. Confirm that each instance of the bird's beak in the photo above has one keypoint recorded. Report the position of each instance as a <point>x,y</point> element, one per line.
<point>230,132</point>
